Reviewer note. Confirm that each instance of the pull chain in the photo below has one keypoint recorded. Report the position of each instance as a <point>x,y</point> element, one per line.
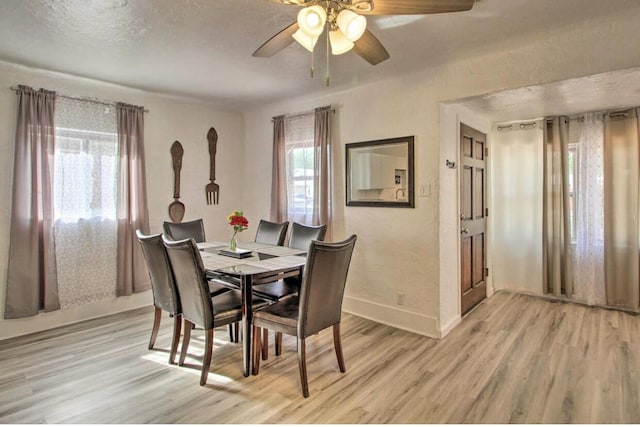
<point>311,70</point>
<point>328,77</point>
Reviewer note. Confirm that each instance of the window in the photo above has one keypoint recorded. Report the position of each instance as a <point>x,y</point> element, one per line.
<point>85,195</point>
<point>299,151</point>
<point>85,178</point>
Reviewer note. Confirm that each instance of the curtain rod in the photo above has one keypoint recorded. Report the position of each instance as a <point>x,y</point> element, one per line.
<point>293,116</point>
<point>77,98</point>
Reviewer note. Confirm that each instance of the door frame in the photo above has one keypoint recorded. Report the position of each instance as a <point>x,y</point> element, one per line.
<point>451,115</point>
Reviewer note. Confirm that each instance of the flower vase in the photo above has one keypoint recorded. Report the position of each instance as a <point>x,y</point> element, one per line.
<point>233,245</point>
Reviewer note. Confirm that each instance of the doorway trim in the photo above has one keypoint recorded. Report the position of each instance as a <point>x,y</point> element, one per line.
<point>451,114</point>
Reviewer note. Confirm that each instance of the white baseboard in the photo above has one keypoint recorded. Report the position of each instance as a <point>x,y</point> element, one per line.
<point>449,326</point>
<point>392,316</point>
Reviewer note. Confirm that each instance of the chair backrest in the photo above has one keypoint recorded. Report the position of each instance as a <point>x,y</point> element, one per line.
<point>302,235</point>
<point>271,233</point>
<point>323,282</point>
<point>191,281</point>
<point>163,286</point>
<point>184,230</point>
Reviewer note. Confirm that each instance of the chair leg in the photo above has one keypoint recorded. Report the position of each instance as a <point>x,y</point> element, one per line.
<point>185,341</point>
<point>177,326</point>
<point>278,340</point>
<point>231,339</point>
<point>338,346</point>
<point>302,364</point>
<point>256,350</point>
<point>156,325</point>
<point>206,360</point>
<point>265,343</point>
<point>236,332</point>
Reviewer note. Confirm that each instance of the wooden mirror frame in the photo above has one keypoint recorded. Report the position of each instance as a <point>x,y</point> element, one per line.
<point>409,197</point>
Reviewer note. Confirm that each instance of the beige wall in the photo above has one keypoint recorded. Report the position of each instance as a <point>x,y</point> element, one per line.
<point>400,250</point>
<point>169,119</point>
<point>407,251</point>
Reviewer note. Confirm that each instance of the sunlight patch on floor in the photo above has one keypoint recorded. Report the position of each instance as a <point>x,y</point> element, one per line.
<point>162,359</point>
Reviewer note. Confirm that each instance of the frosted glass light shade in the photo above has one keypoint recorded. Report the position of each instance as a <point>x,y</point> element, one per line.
<point>351,24</point>
<point>307,41</point>
<point>339,43</point>
<point>311,20</point>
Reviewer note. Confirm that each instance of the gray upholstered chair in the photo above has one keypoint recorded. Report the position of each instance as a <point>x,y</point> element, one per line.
<point>271,233</point>
<point>163,287</point>
<point>318,306</point>
<point>300,238</point>
<point>302,235</point>
<point>184,230</point>
<point>199,308</point>
<point>194,230</point>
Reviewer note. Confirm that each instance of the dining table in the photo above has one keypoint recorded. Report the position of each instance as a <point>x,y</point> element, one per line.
<point>251,264</point>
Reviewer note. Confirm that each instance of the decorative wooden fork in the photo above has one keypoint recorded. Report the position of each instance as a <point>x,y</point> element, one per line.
<point>212,189</point>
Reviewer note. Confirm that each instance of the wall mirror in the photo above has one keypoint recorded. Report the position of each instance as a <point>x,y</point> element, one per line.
<point>380,173</point>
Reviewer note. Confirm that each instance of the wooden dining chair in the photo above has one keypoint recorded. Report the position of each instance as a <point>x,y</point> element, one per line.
<point>163,288</point>
<point>271,233</point>
<point>199,308</point>
<point>300,238</point>
<point>184,230</point>
<point>317,307</point>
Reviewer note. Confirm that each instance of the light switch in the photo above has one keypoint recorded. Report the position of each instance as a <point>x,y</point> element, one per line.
<point>424,190</point>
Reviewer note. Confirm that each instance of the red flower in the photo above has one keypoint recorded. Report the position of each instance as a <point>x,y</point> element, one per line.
<point>238,221</point>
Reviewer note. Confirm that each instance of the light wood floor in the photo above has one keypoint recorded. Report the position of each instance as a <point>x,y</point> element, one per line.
<point>515,359</point>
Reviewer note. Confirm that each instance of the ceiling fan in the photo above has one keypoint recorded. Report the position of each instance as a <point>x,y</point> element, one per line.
<point>346,24</point>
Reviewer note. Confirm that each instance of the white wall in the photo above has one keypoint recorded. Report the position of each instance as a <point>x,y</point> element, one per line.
<point>399,250</point>
<point>169,119</point>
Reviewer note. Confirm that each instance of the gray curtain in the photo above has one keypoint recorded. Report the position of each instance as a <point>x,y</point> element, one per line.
<point>322,169</point>
<point>132,275</point>
<point>32,284</point>
<point>556,241</point>
<point>279,173</point>
<point>621,199</point>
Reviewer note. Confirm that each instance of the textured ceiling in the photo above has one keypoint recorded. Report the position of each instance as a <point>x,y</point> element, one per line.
<point>202,48</point>
<point>599,92</point>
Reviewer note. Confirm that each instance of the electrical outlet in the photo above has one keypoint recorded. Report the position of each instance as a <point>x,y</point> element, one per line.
<point>400,298</point>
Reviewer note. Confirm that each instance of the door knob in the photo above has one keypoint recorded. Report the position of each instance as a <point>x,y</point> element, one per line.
<point>464,231</point>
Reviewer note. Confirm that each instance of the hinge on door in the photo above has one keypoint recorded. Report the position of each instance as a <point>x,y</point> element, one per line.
<point>486,272</point>
<point>486,211</point>
<point>486,151</point>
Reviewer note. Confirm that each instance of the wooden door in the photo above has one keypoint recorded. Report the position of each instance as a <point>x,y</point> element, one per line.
<point>473,214</point>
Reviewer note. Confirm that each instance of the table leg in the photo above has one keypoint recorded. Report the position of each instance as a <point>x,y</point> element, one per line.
<point>247,312</point>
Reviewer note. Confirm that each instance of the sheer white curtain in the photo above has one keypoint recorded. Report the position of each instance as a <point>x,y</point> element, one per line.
<point>516,213</point>
<point>299,155</point>
<point>85,180</point>
<point>589,246</point>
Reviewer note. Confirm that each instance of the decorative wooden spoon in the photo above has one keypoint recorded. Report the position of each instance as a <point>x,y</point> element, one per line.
<point>176,208</point>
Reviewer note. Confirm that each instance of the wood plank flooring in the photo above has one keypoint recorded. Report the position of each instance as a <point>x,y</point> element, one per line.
<point>514,359</point>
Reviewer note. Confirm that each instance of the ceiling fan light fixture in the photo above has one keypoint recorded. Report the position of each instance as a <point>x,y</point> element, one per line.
<point>339,43</point>
<point>307,41</point>
<point>311,20</point>
<point>351,24</point>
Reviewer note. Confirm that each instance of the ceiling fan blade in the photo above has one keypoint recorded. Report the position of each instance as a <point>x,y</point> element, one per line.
<point>278,42</point>
<point>418,7</point>
<point>370,48</point>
